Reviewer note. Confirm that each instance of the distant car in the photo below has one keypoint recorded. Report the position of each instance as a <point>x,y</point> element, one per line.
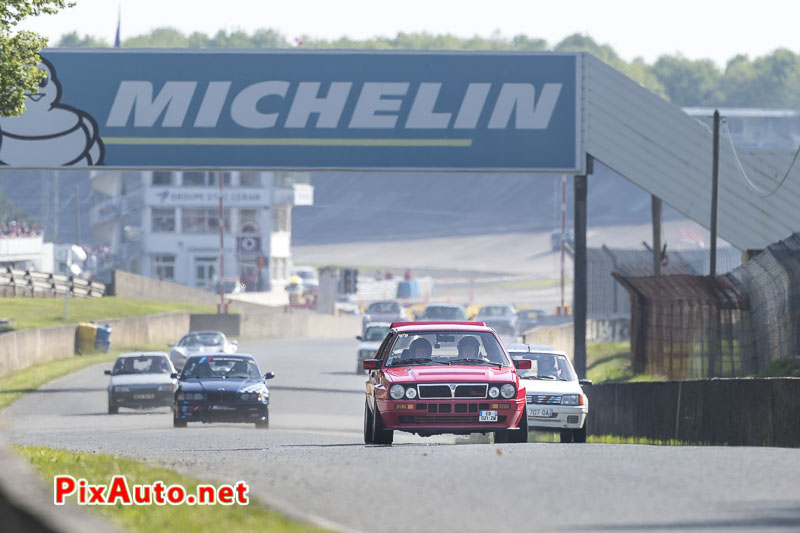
<point>198,342</point>
<point>232,286</point>
<point>502,318</point>
<point>308,274</point>
<point>446,312</point>
<point>430,378</point>
<point>384,311</point>
<point>140,380</point>
<point>555,399</point>
<point>371,339</point>
<point>221,387</point>
<point>528,319</point>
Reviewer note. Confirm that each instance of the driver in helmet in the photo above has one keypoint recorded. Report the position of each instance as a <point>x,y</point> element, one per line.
<point>419,349</point>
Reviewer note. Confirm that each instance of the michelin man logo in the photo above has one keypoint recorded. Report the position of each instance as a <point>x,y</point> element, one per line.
<point>50,134</point>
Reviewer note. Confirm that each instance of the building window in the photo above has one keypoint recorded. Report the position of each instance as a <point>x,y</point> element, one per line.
<point>282,218</point>
<point>199,220</point>
<point>162,179</point>
<point>205,179</point>
<point>163,220</point>
<point>250,179</point>
<point>248,220</point>
<point>163,266</point>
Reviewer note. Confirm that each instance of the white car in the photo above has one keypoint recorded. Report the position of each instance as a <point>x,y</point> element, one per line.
<point>371,339</point>
<point>555,399</point>
<point>140,380</point>
<point>200,342</point>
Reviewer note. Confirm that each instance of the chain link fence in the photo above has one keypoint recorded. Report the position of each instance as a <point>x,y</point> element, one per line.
<point>685,326</point>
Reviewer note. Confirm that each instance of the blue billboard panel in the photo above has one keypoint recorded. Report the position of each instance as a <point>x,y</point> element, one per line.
<point>143,109</point>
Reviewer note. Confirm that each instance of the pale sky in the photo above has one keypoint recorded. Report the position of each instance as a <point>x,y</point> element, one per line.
<point>710,29</point>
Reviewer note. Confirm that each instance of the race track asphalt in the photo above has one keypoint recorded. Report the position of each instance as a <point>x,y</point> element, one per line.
<point>312,462</point>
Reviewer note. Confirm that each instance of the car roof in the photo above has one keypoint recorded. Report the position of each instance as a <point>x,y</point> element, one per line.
<point>533,348</point>
<point>205,332</point>
<point>378,324</point>
<point>221,354</point>
<point>142,354</point>
<point>404,327</point>
<point>444,305</point>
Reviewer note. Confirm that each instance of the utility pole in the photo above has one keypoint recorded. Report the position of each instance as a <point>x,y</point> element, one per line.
<point>580,282</point>
<point>77,217</point>
<point>222,309</point>
<point>655,202</point>
<point>714,193</point>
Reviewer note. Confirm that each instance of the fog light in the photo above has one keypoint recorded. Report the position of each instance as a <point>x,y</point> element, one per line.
<point>494,392</point>
<point>411,393</point>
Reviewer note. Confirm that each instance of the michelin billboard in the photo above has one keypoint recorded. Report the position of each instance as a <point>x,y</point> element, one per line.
<point>146,109</point>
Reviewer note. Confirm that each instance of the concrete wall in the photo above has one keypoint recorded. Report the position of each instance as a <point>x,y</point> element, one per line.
<point>737,412</point>
<point>228,324</point>
<point>290,322</point>
<point>20,349</point>
<point>561,337</point>
<point>151,329</point>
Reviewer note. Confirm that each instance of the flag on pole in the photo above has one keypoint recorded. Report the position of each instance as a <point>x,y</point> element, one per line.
<point>116,38</point>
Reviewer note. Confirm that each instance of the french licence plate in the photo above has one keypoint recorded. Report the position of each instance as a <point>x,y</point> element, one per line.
<point>143,396</point>
<point>487,416</point>
<point>540,412</point>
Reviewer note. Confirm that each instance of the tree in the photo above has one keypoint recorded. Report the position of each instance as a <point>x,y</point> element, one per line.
<point>689,83</point>
<point>19,53</point>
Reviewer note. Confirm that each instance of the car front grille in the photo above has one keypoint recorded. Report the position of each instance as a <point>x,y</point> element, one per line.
<point>427,392</point>
<point>437,420</point>
<point>545,399</point>
<point>221,397</point>
<point>572,419</point>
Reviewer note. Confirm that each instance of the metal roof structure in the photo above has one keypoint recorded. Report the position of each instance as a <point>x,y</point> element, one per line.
<point>668,153</point>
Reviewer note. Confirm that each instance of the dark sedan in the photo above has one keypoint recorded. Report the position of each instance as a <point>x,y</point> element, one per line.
<point>222,388</point>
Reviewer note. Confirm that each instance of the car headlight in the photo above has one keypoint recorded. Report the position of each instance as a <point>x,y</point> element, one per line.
<point>164,387</point>
<point>508,390</point>
<point>120,388</point>
<point>494,392</point>
<point>397,392</point>
<point>245,396</point>
<point>571,399</point>
<point>411,393</point>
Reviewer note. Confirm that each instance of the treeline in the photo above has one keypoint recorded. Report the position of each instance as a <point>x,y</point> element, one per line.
<point>771,81</point>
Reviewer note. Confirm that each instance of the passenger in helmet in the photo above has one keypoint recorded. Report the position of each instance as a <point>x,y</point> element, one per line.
<point>468,348</point>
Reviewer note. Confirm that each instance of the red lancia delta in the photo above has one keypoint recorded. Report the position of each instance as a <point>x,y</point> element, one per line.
<point>443,377</point>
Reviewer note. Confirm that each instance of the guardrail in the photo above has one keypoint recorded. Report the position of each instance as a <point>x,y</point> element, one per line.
<point>16,282</point>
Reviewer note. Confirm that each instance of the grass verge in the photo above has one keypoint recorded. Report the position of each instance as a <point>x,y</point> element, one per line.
<point>98,469</point>
<point>47,312</point>
<point>613,439</point>
<point>17,383</point>
<point>611,362</point>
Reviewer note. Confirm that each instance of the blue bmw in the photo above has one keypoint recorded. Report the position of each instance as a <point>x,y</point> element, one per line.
<point>222,388</point>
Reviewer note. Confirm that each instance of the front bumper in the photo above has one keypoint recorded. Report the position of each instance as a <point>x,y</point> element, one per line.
<point>141,399</point>
<point>449,416</point>
<point>202,411</point>
<point>562,417</point>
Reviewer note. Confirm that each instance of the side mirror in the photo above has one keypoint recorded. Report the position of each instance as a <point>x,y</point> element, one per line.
<point>358,337</point>
<point>170,344</point>
<point>523,364</point>
<point>585,382</point>
<point>235,343</point>
<point>269,375</point>
<point>371,364</point>
<point>174,375</point>
<point>107,372</point>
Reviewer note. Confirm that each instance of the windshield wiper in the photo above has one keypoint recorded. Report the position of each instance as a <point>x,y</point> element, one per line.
<point>415,361</point>
<point>475,361</point>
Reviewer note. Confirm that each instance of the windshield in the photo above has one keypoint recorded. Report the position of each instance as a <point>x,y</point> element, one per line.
<point>444,313</point>
<point>496,311</point>
<point>531,315</point>
<point>375,333</point>
<point>218,367</point>
<point>202,339</point>
<point>546,366</point>
<point>384,308</point>
<point>145,364</point>
<point>446,347</point>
